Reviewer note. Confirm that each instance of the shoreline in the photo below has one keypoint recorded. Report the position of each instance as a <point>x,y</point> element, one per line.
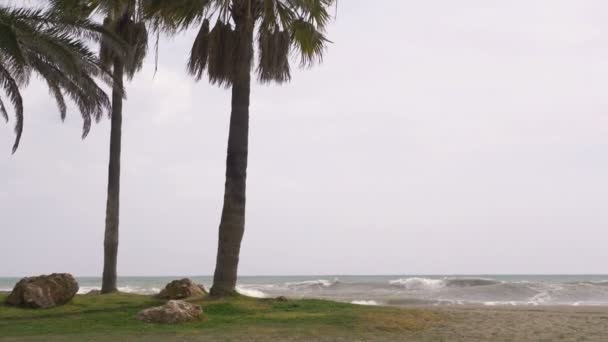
<point>436,307</point>
<point>399,290</point>
<point>257,319</point>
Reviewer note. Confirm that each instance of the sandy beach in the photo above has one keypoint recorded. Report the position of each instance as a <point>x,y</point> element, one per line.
<point>518,324</point>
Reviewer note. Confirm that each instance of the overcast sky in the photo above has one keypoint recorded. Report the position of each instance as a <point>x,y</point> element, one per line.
<point>438,137</point>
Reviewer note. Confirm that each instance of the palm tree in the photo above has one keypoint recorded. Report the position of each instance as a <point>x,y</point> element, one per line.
<point>125,19</point>
<point>36,41</point>
<point>226,52</point>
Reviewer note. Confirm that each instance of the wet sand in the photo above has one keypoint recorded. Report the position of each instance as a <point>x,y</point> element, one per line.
<point>518,324</point>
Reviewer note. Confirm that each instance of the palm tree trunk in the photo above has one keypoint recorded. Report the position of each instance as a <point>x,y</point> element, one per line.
<point>232,224</point>
<point>113,204</point>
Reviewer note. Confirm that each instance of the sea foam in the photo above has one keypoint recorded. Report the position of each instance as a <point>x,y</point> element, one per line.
<point>417,283</point>
<point>249,292</point>
<point>414,284</point>
<point>312,283</point>
<point>365,302</point>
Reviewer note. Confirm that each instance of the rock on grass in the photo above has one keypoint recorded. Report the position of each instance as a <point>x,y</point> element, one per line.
<point>180,289</point>
<point>174,312</point>
<point>45,291</point>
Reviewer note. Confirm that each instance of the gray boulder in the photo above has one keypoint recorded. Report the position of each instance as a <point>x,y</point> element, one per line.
<point>181,289</point>
<point>45,291</point>
<point>174,312</point>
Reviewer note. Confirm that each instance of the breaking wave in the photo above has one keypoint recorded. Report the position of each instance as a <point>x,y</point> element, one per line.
<point>434,284</point>
<point>365,302</point>
<point>419,283</point>
<point>593,283</point>
<point>126,289</point>
<point>320,283</point>
<point>405,291</point>
<point>249,292</point>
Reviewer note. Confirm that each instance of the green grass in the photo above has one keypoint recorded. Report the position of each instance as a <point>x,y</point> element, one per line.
<point>111,317</point>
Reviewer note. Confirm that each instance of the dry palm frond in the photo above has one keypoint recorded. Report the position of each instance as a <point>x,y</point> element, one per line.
<point>221,60</point>
<point>283,26</point>
<point>268,14</point>
<point>135,36</point>
<point>138,47</point>
<point>106,53</point>
<point>273,64</point>
<point>200,52</point>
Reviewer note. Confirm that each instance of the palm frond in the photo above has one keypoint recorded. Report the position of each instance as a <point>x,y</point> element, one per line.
<point>51,45</point>
<point>315,12</point>
<point>274,48</point>
<point>134,35</point>
<point>3,110</point>
<point>11,53</point>
<point>309,42</point>
<point>72,8</point>
<point>222,42</point>
<point>176,15</point>
<point>11,88</point>
<point>200,52</point>
<point>138,42</point>
<point>284,27</point>
<point>55,90</point>
<point>106,52</point>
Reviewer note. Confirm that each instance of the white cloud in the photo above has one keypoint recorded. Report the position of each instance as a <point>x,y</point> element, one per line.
<point>435,137</point>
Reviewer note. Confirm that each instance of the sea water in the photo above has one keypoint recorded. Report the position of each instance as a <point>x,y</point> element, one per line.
<point>397,290</point>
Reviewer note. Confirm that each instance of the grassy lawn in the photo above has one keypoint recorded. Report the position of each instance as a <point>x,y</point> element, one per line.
<point>111,317</point>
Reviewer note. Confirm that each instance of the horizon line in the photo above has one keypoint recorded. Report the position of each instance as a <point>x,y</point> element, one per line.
<point>339,275</point>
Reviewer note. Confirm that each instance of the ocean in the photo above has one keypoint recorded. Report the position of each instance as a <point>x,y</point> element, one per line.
<point>397,290</point>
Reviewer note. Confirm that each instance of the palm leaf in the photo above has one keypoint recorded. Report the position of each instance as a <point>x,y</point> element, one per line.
<point>51,45</point>
<point>3,110</point>
<point>200,52</point>
<point>11,88</point>
<point>274,48</point>
<point>309,42</point>
<point>221,60</point>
